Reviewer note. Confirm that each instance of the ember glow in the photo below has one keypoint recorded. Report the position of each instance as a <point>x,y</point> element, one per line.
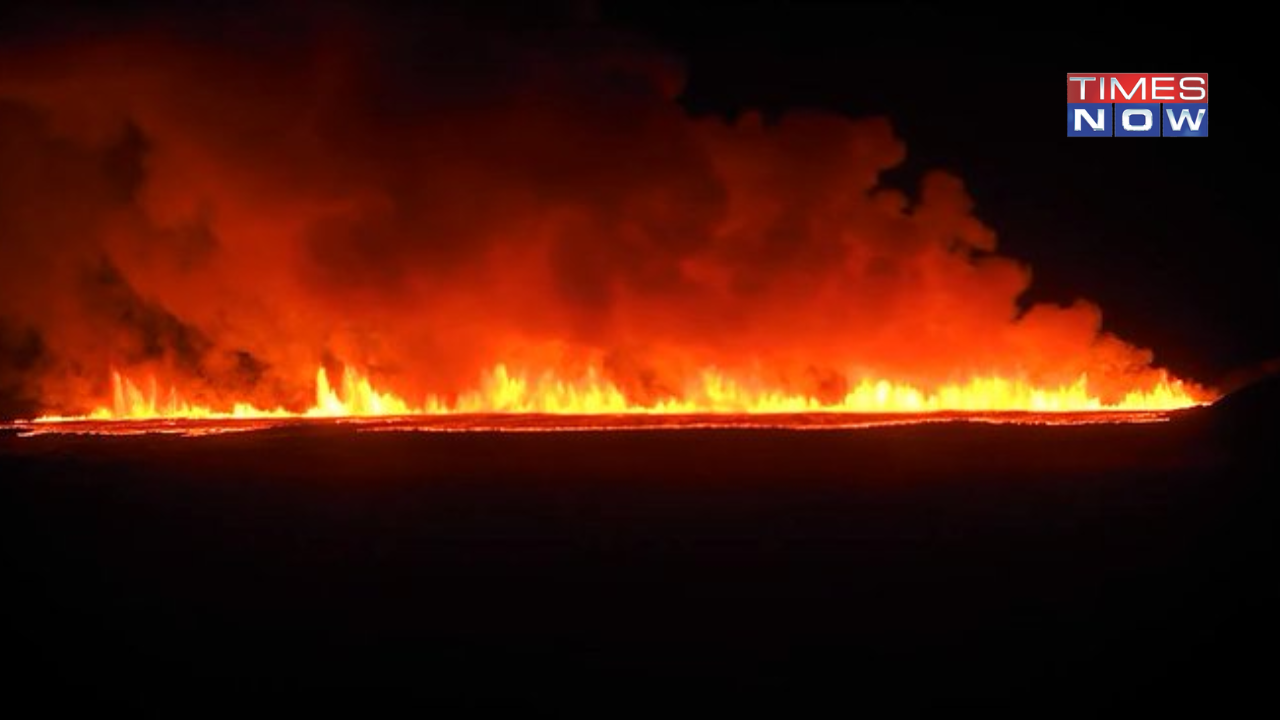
<point>304,228</point>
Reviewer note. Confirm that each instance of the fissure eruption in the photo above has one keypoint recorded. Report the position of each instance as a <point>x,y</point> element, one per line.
<point>350,218</point>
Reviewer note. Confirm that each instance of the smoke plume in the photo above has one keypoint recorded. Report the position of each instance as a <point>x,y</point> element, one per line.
<point>233,204</point>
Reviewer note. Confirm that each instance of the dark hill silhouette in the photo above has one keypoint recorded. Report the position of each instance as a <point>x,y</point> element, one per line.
<point>1254,403</point>
<point>1246,420</point>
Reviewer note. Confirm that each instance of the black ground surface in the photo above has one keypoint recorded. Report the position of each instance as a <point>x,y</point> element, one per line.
<point>1043,570</point>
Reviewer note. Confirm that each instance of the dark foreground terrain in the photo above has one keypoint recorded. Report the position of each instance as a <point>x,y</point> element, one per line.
<point>1044,570</point>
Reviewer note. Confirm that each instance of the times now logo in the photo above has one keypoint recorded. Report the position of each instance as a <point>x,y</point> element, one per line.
<point>1137,104</point>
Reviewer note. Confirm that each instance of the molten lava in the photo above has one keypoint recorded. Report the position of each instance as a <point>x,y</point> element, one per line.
<point>504,391</point>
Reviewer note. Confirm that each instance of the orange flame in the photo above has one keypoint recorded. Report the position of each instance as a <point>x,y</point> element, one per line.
<point>504,391</point>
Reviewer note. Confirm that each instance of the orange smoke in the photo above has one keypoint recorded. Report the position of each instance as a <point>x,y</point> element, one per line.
<point>508,224</point>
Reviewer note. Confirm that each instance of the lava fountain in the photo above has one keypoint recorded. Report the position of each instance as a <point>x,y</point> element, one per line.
<point>197,233</point>
<point>593,402</point>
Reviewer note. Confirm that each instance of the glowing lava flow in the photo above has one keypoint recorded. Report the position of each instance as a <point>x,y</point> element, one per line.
<point>504,391</point>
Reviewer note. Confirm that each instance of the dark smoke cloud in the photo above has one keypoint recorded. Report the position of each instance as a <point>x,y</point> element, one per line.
<point>233,201</point>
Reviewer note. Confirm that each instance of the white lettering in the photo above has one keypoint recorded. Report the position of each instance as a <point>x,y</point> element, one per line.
<point>1146,116</point>
<point>1155,88</point>
<point>1097,125</point>
<point>1185,117</point>
<point>1198,81</point>
<point>1115,85</point>
<point>1082,81</point>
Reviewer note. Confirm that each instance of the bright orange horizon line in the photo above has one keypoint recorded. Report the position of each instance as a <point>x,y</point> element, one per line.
<point>504,393</point>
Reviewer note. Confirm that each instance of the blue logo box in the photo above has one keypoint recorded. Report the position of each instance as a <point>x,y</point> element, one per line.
<point>1137,120</point>
<point>1089,120</point>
